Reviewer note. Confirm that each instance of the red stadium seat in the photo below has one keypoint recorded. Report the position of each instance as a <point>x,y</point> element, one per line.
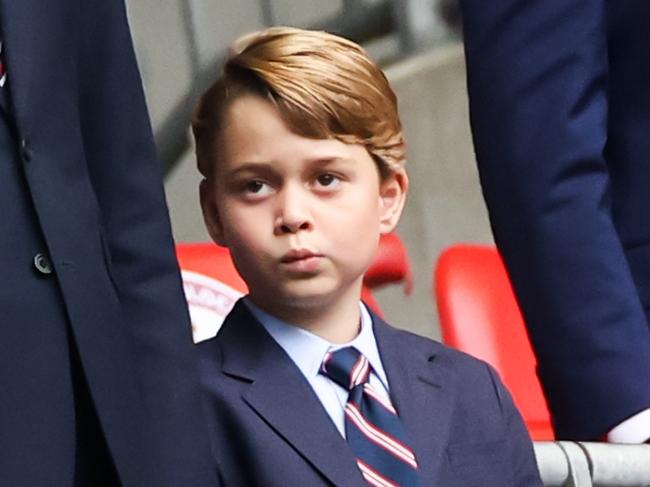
<point>212,284</point>
<point>390,266</point>
<point>480,315</point>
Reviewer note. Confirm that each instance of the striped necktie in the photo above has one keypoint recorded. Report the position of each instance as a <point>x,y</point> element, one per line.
<point>372,428</point>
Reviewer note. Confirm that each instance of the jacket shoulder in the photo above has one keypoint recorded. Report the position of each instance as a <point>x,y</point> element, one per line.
<point>442,354</point>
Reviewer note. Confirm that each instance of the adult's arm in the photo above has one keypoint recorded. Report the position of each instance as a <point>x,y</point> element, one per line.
<point>127,182</point>
<point>537,80</point>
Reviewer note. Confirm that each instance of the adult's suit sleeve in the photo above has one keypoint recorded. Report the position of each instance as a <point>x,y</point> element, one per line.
<point>127,182</point>
<point>537,80</point>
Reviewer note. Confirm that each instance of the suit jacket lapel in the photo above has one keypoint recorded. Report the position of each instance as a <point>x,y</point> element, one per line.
<point>422,393</point>
<point>30,33</point>
<point>283,398</point>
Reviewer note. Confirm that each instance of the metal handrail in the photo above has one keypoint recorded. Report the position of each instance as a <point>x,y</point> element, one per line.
<point>584,464</point>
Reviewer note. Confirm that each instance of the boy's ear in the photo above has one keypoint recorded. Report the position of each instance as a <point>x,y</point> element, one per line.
<point>211,212</point>
<point>392,196</point>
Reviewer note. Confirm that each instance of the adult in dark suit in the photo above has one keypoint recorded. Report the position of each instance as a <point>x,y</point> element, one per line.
<point>560,111</point>
<point>97,382</point>
<point>269,428</point>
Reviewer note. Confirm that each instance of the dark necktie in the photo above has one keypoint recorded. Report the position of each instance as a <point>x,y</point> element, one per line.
<point>372,428</point>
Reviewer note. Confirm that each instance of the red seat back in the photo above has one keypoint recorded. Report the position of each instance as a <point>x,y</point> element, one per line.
<point>211,283</point>
<point>480,315</point>
<point>390,265</point>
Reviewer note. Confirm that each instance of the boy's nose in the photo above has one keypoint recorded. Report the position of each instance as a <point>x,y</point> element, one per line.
<point>294,226</point>
<point>293,215</point>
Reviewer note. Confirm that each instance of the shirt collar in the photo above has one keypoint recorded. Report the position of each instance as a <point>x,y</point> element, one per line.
<point>307,350</point>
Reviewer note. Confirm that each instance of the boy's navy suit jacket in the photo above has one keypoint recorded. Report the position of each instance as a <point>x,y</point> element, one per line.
<point>560,109</point>
<point>268,427</point>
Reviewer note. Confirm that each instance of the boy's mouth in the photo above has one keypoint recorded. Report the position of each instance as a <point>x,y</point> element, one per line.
<point>301,261</point>
<point>294,255</point>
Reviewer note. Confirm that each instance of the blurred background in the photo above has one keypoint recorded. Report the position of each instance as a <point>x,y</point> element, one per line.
<point>180,45</point>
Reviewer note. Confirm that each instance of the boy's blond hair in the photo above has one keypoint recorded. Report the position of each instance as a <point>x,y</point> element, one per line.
<point>324,86</point>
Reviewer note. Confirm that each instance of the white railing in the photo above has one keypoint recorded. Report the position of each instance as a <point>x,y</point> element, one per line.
<point>580,464</point>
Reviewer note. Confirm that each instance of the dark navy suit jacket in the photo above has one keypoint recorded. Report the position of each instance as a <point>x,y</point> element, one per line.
<point>560,111</point>
<point>268,427</point>
<point>98,379</point>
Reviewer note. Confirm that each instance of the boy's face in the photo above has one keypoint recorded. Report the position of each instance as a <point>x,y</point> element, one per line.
<point>301,217</point>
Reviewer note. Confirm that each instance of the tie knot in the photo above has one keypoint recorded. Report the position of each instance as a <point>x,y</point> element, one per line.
<point>347,367</point>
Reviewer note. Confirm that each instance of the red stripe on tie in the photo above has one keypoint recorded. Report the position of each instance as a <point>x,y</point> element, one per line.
<point>368,389</point>
<point>380,438</point>
<point>373,477</point>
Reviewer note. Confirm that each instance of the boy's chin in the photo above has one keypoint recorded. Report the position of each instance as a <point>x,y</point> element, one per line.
<point>302,299</point>
<point>289,302</point>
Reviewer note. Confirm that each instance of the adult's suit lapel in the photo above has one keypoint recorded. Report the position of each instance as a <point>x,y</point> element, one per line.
<point>422,393</point>
<point>280,394</point>
<point>31,52</point>
<point>20,36</point>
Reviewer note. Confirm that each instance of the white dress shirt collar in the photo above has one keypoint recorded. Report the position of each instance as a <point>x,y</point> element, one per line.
<point>307,350</point>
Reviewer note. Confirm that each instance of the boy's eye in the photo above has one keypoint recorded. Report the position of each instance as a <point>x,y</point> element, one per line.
<point>256,188</point>
<point>327,180</point>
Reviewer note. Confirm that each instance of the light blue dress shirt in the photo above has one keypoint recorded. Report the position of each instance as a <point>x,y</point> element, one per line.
<point>308,350</point>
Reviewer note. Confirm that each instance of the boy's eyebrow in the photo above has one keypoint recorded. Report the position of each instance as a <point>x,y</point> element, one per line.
<point>249,167</point>
<point>269,165</point>
<point>325,161</point>
<point>329,160</point>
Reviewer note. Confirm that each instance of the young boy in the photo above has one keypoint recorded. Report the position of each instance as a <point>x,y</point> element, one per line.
<point>301,148</point>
